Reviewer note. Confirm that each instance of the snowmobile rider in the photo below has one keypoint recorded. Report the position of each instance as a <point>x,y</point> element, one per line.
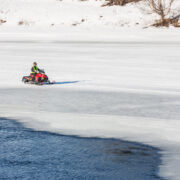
<point>35,70</point>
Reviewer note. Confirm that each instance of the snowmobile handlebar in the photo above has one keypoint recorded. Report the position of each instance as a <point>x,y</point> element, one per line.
<point>41,71</point>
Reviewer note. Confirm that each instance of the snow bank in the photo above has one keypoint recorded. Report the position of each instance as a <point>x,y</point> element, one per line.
<point>55,13</point>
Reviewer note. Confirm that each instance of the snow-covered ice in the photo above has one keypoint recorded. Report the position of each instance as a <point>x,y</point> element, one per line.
<point>133,96</point>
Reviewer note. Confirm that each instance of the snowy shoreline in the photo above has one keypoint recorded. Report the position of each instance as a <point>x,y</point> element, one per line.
<point>68,34</point>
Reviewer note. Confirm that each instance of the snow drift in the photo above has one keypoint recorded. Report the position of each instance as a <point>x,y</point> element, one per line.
<point>52,13</point>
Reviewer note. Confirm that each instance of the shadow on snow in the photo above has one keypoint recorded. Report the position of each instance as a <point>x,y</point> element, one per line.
<point>66,82</point>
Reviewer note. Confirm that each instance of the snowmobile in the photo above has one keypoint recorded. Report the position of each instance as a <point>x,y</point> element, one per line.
<point>39,79</point>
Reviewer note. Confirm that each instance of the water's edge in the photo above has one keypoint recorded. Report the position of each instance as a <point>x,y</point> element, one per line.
<point>26,154</point>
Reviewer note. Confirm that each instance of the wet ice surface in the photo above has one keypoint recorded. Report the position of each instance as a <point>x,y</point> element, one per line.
<point>29,154</point>
<point>92,102</point>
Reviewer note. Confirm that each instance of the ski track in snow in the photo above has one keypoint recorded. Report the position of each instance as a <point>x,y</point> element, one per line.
<point>133,96</point>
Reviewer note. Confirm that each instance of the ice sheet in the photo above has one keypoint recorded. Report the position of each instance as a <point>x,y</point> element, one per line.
<point>133,96</point>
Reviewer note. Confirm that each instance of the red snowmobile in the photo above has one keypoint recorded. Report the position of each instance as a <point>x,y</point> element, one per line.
<point>39,79</point>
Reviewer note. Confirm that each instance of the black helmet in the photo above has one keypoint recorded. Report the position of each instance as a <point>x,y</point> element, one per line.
<point>35,63</point>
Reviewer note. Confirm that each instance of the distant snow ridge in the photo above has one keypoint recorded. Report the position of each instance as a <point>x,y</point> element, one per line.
<point>71,13</point>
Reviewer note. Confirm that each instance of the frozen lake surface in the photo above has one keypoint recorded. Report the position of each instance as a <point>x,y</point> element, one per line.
<point>124,90</point>
<point>60,100</point>
<point>29,154</point>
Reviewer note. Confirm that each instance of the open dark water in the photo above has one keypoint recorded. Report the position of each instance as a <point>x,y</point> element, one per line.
<point>33,155</point>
